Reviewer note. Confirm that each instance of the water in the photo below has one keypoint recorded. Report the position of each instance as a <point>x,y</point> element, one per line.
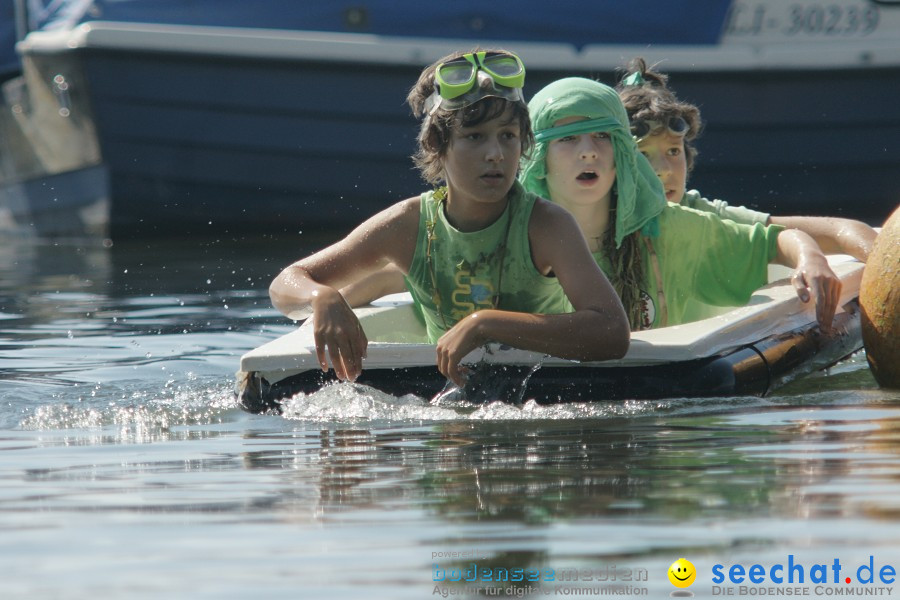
<point>126,470</point>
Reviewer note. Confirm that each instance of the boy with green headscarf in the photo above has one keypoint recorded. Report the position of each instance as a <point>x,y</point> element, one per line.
<point>657,255</point>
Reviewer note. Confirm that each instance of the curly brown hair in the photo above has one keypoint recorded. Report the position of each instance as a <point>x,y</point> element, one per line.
<point>652,100</point>
<point>434,134</point>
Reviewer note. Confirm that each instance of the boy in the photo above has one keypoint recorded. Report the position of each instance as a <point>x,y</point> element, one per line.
<point>665,128</point>
<point>480,256</point>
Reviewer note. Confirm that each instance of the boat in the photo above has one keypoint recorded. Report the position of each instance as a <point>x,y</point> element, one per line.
<point>168,118</point>
<point>750,350</point>
<point>53,182</point>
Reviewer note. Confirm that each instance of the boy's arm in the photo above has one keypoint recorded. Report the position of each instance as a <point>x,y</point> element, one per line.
<point>812,276</point>
<point>597,330</point>
<point>834,235</point>
<point>388,280</point>
<point>310,286</point>
<point>738,214</point>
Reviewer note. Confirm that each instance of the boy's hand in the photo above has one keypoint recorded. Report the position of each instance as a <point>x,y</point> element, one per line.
<point>454,345</point>
<point>337,329</point>
<point>815,279</point>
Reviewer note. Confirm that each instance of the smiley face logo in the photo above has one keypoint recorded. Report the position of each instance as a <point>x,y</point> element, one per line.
<point>682,573</point>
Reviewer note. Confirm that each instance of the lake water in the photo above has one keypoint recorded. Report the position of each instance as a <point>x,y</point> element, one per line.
<point>127,471</point>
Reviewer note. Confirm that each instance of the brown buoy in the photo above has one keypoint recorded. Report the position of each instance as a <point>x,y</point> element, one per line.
<point>879,299</point>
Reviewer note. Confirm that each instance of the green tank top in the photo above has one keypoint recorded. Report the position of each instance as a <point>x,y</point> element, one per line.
<point>699,257</point>
<point>457,273</point>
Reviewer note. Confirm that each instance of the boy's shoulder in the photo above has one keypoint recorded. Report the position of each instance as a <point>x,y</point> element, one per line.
<point>678,220</point>
<point>543,208</point>
<point>545,212</point>
<point>411,204</point>
<point>677,210</point>
<point>685,226</point>
<point>407,209</point>
<point>548,220</point>
<point>400,218</point>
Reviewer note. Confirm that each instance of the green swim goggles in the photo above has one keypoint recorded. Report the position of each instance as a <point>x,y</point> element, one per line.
<point>456,77</point>
<point>476,75</point>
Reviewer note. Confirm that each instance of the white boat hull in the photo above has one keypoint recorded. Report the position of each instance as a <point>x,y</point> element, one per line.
<point>748,350</point>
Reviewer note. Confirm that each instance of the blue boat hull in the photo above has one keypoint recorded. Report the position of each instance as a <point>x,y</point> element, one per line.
<point>208,129</point>
<point>196,144</point>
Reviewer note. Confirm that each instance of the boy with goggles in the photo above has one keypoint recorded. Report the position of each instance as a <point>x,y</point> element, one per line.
<point>480,256</point>
<point>650,103</point>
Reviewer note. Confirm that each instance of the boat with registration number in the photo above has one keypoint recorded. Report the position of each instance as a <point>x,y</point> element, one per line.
<point>141,117</point>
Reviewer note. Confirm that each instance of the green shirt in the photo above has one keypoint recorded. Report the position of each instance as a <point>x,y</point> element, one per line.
<point>738,214</point>
<point>697,310</point>
<point>473,270</point>
<point>706,258</point>
<point>701,258</point>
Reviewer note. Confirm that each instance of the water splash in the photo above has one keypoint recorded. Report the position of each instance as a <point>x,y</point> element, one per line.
<point>340,402</point>
<point>351,401</point>
<point>134,415</point>
<point>528,377</point>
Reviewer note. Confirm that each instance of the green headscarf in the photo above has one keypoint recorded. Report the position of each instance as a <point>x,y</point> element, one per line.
<point>640,194</point>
